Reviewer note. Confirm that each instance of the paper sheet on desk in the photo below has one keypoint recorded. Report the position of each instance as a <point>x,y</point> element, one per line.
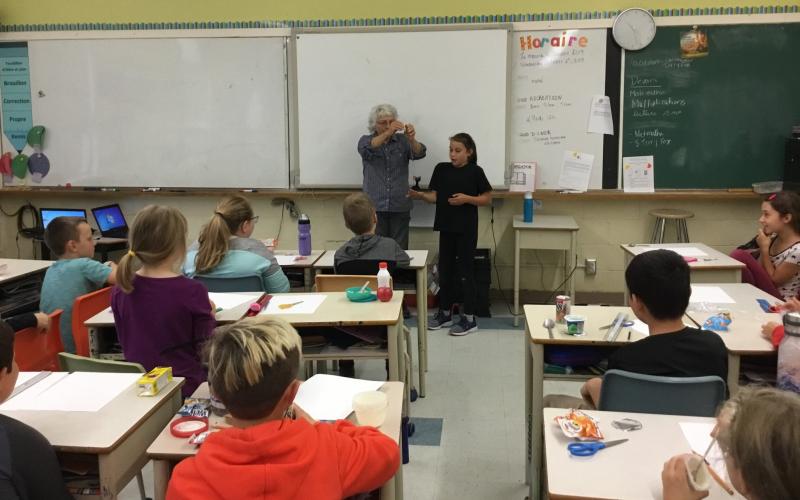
<point>307,304</point>
<point>230,300</point>
<point>698,435</point>
<point>24,377</point>
<point>287,260</point>
<point>328,397</point>
<point>79,391</point>
<point>710,294</point>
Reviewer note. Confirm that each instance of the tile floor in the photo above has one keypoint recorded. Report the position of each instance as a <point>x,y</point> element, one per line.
<point>476,386</point>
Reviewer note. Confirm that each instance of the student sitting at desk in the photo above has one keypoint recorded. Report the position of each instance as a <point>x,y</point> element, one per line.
<point>658,283</point>
<point>28,465</point>
<point>75,273</point>
<point>775,266</point>
<point>162,317</point>
<point>758,435</point>
<point>252,368</point>
<point>225,248</point>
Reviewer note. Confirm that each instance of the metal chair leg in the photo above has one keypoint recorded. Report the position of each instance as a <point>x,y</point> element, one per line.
<point>654,234</point>
<point>661,231</point>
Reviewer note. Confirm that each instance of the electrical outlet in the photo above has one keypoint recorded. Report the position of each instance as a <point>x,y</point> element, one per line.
<point>537,204</point>
<point>591,266</point>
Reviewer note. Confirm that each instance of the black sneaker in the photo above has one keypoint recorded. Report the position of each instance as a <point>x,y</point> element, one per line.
<point>464,326</point>
<point>440,320</point>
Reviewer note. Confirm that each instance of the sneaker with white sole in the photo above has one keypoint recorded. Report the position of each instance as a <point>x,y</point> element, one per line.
<point>464,326</point>
<point>440,320</point>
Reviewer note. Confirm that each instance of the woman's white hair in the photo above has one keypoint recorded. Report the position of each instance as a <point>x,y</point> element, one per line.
<point>380,111</point>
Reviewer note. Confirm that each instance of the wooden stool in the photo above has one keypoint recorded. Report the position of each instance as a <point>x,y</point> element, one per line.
<point>662,215</point>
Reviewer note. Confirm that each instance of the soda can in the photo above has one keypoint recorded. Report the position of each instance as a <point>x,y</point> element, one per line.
<point>563,307</point>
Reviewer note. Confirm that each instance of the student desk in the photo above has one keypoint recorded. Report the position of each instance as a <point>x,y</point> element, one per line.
<point>335,310</point>
<point>631,470</point>
<point>306,264</point>
<point>546,232</point>
<point>118,434</point>
<point>744,335</point>
<point>20,285</point>
<point>714,267</point>
<point>167,450</point>
<point>419,262</point>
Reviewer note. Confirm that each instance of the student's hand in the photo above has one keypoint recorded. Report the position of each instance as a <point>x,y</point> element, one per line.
<point>675,481</point>
<point>767,329</point>
<point>42,321</point>
<point>410,132</point>
<point>416,195</point>
<point>791,305</point>
<point>764,240</point>
<point>213,306</point>
<point>459,199</point>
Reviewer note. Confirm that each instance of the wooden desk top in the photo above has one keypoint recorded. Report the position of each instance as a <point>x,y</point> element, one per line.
<point>309,260</point>
<point>419,259</point>
<point>714,259</point>
<point>631,470</point>
<point>547,222</point>
<point>596,316</point>
<point>167,446</point>
<point>335,310</point>
<point>17,268</point>
<point>744,336</point>
<point>96,432</point>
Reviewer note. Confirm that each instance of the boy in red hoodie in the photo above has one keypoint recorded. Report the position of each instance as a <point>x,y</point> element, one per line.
<point>252,369</point>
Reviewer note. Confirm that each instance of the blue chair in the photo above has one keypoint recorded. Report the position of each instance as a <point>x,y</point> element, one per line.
<point>635,392</point>
<point>239,284</point>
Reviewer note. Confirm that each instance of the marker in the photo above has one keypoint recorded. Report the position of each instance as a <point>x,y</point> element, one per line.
<point>249,190</point>
<point>109,189</point>
<point>150,190</point>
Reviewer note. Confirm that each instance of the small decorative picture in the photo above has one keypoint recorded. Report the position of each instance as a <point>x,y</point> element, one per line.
<point>694,43</point>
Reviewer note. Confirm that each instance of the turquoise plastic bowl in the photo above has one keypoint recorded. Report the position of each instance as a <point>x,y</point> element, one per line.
<point>355,295</point>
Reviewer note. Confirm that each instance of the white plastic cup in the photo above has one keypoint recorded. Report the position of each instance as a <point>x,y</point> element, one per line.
<point>574,324</point>
<point>370,407</point>
<point>700,480</point>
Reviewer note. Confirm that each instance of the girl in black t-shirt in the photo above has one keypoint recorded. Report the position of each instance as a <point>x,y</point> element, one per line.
<point>457,188</point>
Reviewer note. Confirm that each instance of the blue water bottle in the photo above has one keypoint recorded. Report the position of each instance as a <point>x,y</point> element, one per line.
<point>527,207</point>
<point>304,235</point>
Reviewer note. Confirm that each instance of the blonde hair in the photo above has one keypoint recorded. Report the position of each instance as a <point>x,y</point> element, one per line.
<point>251,363</point>
<point>158,233</point>
<point>763,440</point>
<point>357,210</point>
<point>214,239</point>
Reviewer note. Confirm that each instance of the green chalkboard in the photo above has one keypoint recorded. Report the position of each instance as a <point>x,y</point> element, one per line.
<point>717,121</point>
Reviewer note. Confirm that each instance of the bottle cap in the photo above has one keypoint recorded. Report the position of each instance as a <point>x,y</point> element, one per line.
<point>528,195</point>
<point>383,265</point>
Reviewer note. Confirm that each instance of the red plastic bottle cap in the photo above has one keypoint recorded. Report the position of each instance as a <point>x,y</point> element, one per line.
<point>383,265</point>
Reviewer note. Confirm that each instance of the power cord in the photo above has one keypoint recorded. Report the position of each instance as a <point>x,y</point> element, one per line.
<point>24,230</point>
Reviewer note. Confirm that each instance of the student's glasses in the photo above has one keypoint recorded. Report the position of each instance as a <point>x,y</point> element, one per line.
<point>254,219</point>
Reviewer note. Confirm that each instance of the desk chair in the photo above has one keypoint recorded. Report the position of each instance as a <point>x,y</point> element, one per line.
<point>216,284</point>
<point>663,215</point>
<point>38,351</point>
<point>85,307</point>
<point>74,363</point>
<point>635,392</point>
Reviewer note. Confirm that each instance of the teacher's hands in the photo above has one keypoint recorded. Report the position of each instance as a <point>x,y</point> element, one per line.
<point>410,132</point>
<point>459,199</point>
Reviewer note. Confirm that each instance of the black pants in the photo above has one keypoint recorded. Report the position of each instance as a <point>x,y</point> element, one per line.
<point>460,274</point>
<point>394,225</point>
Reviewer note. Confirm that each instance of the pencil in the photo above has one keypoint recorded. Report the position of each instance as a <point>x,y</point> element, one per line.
<point>725,486</point>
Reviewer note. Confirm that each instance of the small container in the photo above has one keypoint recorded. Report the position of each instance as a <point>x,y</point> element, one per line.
<point>563,307</point>
<point>527,208</point>
<point>574,324</point>
<point>384,283</point>
<point>153,381</point>
<point>789,354</point>
<point>354,294</point>
<point>370,407</point>
<point>304,235</point>
<point>699,478</point>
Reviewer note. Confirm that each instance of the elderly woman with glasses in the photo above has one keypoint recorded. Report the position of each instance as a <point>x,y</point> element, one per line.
<point>385,154</point>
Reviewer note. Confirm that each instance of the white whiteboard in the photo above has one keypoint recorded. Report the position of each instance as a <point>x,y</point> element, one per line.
<point>202,112</point>
<point>551,92</point>
<point>444,82</point>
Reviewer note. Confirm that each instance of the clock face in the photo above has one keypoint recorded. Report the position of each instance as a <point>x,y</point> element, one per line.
<point>634,29</point>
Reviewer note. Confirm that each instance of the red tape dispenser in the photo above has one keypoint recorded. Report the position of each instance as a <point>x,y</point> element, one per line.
<point>186,427</point>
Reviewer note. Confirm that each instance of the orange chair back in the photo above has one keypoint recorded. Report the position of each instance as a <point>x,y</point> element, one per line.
<point>84,308</point>
<point>38,351</point>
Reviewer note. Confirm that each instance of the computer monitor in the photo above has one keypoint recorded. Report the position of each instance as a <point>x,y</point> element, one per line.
<point>48,214</point>
<point>110,221</point>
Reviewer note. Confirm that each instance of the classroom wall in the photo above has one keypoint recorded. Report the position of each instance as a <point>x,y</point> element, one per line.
<point>604,225</point>
<point>112,11</point>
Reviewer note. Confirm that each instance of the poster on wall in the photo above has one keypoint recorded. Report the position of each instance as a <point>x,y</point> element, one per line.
<point>555,74</point>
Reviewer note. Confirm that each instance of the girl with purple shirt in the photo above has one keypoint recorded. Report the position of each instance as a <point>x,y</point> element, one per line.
<point>162,317</point>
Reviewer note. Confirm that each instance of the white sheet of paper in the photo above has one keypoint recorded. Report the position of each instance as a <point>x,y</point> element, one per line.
<point>600,119</point>
<point>640,328</point>
<point>523,177</point>
<point>229,300</point>
<point>576,169</point>
<point>711,294</point>
<point>328,397</point>
<point>698,435</point>
<point>638,174</point>
<point>286,260</point>
<point>24,377</point>
<point>307,304</point>
<point>79,391</point>
<point>682,251</point>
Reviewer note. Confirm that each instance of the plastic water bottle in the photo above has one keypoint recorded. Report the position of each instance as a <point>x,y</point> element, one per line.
<point>384,283</point>
<point>789,354</point>
<point>527,207</point>
<point>304,235</point>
